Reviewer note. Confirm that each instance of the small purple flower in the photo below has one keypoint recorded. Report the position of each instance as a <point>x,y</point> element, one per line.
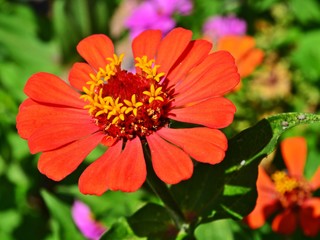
<point>218,26</point>
<point>84,220</point>
<point>156,14</point>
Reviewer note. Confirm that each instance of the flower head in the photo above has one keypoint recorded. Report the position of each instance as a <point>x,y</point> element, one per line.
<point>156,14</point>
<point>176,79</point>
<point>218,26</point>
<point>84,220</point>
<point>288,194</point>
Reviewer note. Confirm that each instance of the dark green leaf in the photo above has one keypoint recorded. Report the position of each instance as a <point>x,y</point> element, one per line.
<point>153,221</point>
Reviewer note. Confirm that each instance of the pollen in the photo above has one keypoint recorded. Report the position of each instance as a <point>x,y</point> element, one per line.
<point>291,191</point>
<point>126,105</point>
<point>149,68</point>
<point>154,94</point>
<point>283,182</point>
<point>133,105</point>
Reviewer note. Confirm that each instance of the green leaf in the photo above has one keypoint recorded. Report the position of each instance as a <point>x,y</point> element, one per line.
<point>306,11</point>
<point>262,5</point>
<point>22,54</point>
<point>153,221</point>
<point>215,230</point>
<point>68,34</point>
<point>9,220</point>
<point>83,17</point>
<point>228,189</point>
<point>61,212</point>
<point>20,42</point>
<point>120,230</point>
<point>8,108</point>
<point>306,56</point>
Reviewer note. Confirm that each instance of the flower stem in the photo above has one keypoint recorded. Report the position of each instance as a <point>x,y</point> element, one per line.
<point>162,191</point>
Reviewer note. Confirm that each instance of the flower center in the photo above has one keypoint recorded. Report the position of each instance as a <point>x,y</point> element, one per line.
<point>292,191</point>
<point>126,105</point>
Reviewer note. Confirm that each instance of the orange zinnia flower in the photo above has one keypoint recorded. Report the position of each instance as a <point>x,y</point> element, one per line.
<point>243,50</point>
<point>288,193</point>
<point>176,78</point>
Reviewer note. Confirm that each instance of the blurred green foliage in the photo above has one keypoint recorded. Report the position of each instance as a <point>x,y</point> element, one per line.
<point>41,36</point>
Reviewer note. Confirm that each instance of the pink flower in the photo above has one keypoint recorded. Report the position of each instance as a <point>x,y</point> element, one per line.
<point>217,27</point>
<point>156,14</point>
<point>84,220</point>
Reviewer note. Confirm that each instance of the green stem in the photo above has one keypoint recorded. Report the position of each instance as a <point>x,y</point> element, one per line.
<point>162,191</point>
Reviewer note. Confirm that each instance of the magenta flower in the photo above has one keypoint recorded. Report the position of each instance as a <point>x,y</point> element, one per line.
<point>218,26</point>
<point>169,7</point>
<point>85,222</point>
<point>156,14</point>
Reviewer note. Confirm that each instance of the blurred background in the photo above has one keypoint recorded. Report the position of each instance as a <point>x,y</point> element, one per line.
<point>275,44</point>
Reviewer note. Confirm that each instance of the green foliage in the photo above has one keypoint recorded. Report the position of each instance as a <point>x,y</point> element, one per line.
<point>64,225</point>
<point>38,37</point>
<point>307,56</point>
<point>306,11</point>
<point>153,221</point>
<point>21,52</point>
<point>9,220</point>
<point>120,230</point>
<point>83,18</point>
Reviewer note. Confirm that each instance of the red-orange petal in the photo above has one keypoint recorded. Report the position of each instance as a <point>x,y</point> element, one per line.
<point>194,54</point>
<point>50,137</point>
<point>203,144</point>
<point>25,127</point>
<point>213,113</point>
<point>93,180</point>
<point>209,63</point>
<point>171,47</point>
<point>95,49</point>
<point>49,89</point>
<point>265,184</point>
<point>170,163</point>
<point>128,172</point>
<point>33,116</point>
<point>248,63</point>
<point>310,223</point>
<point>315,180</point>
<point>146,44</point>
<point>238,46</point>
<point>79,75</point>
<point>220,79</point>
<point>314,204</point>
<point>266,202</point>
<point>294,153</point>
<point>285,222</point>
<point>59,163</point>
